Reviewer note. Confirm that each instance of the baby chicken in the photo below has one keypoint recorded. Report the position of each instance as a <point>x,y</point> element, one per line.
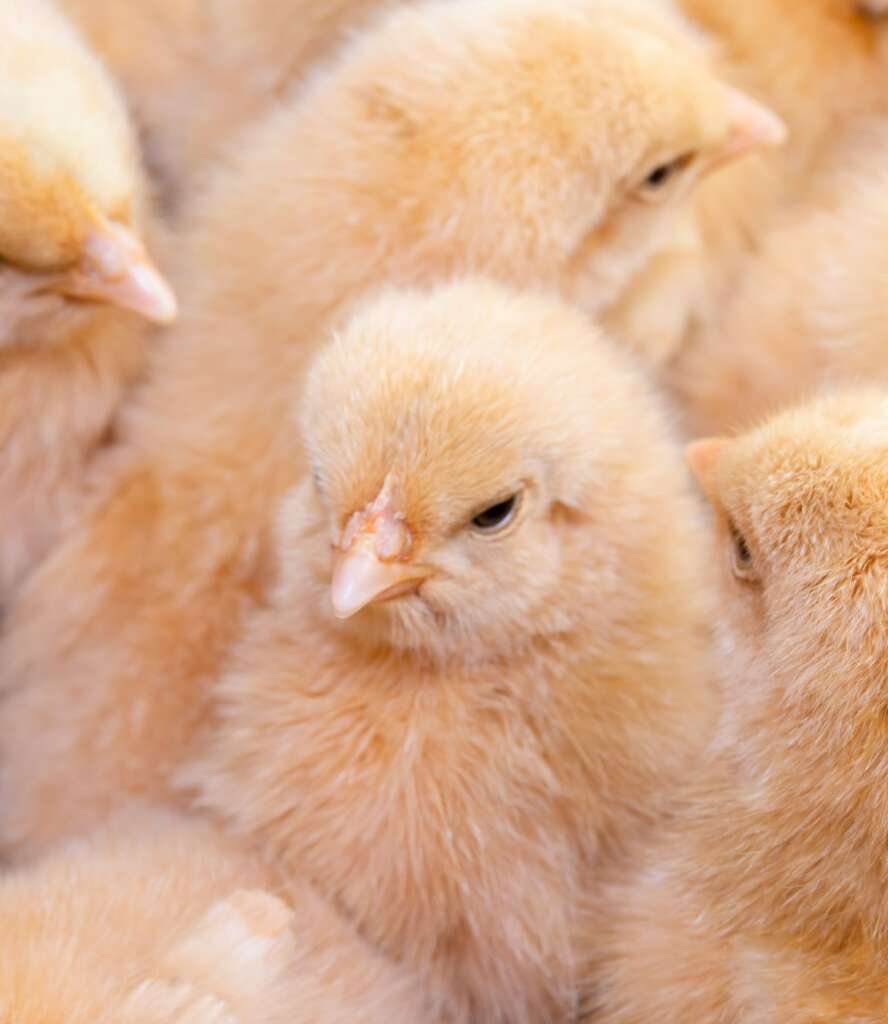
<point>811,312</point>
<point>70,210</point>
<point>160,920</point>
<point>545,144</point>
<point>821,66</point>
<point>196,72</point>
<point>485,657</point>
<point>767,903</point>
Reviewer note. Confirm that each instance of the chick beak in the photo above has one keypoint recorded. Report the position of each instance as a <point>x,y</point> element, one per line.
<point>116,269</point>
<point>751,125</point>
<point>361,578</point>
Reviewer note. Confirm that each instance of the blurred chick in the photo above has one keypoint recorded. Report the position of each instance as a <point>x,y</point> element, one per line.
<point>767,900</point>
<point>70,215</point>
<point>812,312</point>
<point>544,144</point>
<point>452,720</point>
<point>196,72</point>
<point>820,65</point>
<point>160,920</point>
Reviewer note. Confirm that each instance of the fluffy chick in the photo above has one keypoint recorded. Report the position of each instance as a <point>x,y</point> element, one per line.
<point>820,66</point>
<point>484,660</point>
<point>70,210</point>
<point>196,72</point>
<point>768,901</point>
<point>161,920</point>
<point>811,313</point>
<point>525,139</point>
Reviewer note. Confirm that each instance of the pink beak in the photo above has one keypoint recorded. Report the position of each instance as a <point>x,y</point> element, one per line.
<point>752,126</point>
<point>117,270</point>
<point>373,563</point>
<point>361,578</point>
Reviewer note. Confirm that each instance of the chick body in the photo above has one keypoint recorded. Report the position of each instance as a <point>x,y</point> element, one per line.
<point>398,168</point>
<point>458,760</point>
<point>765,900</point>
<point>157,919</point>
<point>196,73</point>
<point>71,206</point>
<point>809,314</point>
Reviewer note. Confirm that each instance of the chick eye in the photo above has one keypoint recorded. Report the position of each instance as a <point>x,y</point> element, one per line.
<point>741,557</point>
<point>497,516</point>
<point>654,184</point>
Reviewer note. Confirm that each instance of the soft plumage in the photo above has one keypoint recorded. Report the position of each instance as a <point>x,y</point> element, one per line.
<point>812,312</point>
<point>766,899</point>
<point>195,72</point>
<point>823,67</point>
<point>514,138</point>
<point>161,920</point>
<point>453,720</point>
<point>71,210</point>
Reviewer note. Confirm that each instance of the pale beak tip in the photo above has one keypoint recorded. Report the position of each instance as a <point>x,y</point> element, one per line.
<point>152,296</point>
<point>753,124</point>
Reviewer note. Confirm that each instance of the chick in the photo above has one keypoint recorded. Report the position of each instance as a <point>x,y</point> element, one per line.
<point>161,920</point>
<point>71,202</point>
<point>820,66</point>
<point>545,144</point>
<point>811,312</point>
<point>485,657</point>
<point>195,72</point>
<point>70,209</point>
<point>767,900</point>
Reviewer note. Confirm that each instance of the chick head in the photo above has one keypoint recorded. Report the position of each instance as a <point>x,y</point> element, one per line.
<point>802,510</point>
<point>476,457</point>
<point>538,141</point>
<point>70,182</point>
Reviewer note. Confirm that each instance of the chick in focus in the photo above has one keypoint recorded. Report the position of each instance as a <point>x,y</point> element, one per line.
<point>543,144</point>
<point>157,919</point>
<point>766,900</point>
<point>71,211</point>
<point>485,658</point>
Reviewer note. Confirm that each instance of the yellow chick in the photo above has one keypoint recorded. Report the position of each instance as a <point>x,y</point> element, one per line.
<point>70,190</point>
<point>810,313</point>
<point>195,73</point>
<point>70,210</point>
<point>820,66</point>
<point>484,661</point>
<point>161,920</point>
<point>766,900</point>
<point>543,144</point>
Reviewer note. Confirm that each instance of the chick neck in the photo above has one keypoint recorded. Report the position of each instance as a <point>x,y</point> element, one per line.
<point>792,827</point>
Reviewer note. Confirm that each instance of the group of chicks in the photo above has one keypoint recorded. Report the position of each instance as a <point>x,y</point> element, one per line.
<point>369,652</point>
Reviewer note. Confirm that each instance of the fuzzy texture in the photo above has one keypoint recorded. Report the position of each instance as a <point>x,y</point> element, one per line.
<point>162,920</point>
<point>823,69</point>
<point>65,139</point>
<point>811,313</point>
<point>68,169</point>
<point>766,901</point>
<point>459,136</point>
<point>196,72</point>
<point>455,768</point>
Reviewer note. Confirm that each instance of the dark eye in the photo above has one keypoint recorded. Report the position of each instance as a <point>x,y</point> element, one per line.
<point>741,556</point>
<point>497,516</point>
<point>663,174</point>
